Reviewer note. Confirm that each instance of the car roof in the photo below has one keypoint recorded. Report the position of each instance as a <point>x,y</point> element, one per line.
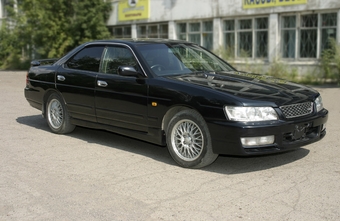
<point>138,41</point>
<point>127,41</point>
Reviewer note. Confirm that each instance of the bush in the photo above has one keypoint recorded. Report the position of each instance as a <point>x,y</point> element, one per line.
<point>49,29</point>
<point>330,63</point>
<point>281,70</point>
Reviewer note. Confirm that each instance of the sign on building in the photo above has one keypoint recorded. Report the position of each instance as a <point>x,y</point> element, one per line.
<point>133,10</point>
<point>248,4</point>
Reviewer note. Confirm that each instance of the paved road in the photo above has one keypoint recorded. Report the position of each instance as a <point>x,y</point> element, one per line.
<point>96,175</point>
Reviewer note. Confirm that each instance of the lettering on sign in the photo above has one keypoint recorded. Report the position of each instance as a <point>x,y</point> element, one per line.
<point>133,10</point>
<point>248,4</point>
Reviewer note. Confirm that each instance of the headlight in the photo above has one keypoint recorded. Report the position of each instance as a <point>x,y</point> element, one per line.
<point>250,113</point>
<point>319,104</point>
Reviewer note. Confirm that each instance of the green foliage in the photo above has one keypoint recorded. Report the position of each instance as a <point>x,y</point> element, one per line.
<point>330,62</point>
<point>49,29</point>
<point>285,71</point>
<point>6,45</point>
<point>337,62</point>
<point>227,54</point>
<point>281,70</point>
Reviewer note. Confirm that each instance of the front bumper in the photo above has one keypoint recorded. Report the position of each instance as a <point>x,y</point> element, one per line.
<point>289,134</point>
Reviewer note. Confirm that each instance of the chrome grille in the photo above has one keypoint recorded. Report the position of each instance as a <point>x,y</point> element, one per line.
<point>297,110</point>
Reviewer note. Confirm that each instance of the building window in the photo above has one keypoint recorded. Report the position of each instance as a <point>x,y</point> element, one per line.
<point>200,33</point>
<point>300,34</point>
<point>229,37</point>
<point>122,32</point>
<point>163,31</point>
<point>328,29</point>
<point>195,33</point>
<point>245,38</point>
<point>182,31</point>
<point>141,31</point>
<point>288,36</point>
<point>208,35</point>
<point>308,36</point>
<point>152,31</point>
<point>261,37</point>
<point>248,36</point>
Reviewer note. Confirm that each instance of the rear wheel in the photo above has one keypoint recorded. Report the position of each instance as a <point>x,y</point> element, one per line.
<point>188,140</point>
<point>58,118</point>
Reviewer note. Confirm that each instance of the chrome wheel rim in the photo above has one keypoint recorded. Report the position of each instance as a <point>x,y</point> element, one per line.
<point>55,113</point>
<point>187,140</point>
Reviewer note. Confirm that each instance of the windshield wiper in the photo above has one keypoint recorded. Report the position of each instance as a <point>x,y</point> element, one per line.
<point>206,73</point>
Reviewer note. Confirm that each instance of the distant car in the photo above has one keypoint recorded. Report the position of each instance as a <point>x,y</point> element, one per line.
<point>177,94</point>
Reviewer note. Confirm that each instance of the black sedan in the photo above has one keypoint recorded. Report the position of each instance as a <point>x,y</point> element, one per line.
<point>177,94</point>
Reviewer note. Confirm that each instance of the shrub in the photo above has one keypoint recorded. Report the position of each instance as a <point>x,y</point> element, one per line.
<point>330,62</point>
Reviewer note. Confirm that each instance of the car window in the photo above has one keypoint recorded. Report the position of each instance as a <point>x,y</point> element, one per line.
<point>196,58</point>
<point>115,56</point>
<point>87,59</point>
<point>177,59</point>
<point>160,59</point>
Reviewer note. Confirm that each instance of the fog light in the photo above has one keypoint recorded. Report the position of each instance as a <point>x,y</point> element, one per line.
<point>257,141</point>
<point>323,127</point>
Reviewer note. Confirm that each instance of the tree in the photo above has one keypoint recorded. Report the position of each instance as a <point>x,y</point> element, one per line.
<point>49,29</point>
<point>9,51</point>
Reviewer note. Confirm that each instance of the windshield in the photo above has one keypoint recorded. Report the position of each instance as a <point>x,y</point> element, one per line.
<point>177,59</point>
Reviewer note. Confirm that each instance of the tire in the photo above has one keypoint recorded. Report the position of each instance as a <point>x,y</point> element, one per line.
<point>188,140</point>
<point>57,116</point>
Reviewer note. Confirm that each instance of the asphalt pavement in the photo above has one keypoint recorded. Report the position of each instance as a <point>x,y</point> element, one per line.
<point>97,175</point>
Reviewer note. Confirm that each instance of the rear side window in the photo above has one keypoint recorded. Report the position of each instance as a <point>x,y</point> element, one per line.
<point>88,59</point>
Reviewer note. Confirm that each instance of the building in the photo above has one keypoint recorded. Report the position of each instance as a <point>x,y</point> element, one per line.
<point>249,31</point>
<point>246,31</point>
<point>2,11</point>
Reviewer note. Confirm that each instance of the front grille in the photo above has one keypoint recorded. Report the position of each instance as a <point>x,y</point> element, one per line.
<point>297,110</point>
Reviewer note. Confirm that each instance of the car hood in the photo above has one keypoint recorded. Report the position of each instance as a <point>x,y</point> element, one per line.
<point>251,86</point>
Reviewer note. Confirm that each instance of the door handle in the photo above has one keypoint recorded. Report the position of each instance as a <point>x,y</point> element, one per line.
<point>60,78</point>
<point>101,83</point>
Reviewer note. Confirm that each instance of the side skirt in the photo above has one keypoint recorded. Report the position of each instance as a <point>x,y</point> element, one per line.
<point>154,135</point>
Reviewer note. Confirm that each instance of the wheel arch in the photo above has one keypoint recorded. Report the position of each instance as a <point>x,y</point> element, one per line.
<point>171,113</point>
<point>45,98</point>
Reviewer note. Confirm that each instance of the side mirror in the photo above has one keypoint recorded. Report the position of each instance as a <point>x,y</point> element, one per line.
<point>129,71</point>
<point>35,63</point>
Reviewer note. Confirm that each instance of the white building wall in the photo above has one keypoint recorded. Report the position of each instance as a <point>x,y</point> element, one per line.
<point>217,37</point>
<point>273,44</point>
<point>172,30</point>
<point>1,11</point>
<point>177,10</point>
<point>173,12</point>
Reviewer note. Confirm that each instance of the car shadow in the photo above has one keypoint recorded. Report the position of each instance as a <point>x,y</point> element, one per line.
<point>237,165</point>
<point>223,164</point>
<point>105,138</point>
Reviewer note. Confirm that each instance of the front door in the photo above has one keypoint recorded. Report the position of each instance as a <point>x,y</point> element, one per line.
<point>120,101</point>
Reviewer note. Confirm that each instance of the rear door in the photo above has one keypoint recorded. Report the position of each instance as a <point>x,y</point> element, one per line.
<point>76,81</point>
<point>120,101</point>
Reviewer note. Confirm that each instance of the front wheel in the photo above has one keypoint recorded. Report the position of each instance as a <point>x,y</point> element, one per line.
<point>57,116</point>
<point>188,140</point>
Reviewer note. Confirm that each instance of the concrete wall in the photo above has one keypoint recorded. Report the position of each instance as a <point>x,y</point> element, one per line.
<point>174,11</point>
<point>1,12</point>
